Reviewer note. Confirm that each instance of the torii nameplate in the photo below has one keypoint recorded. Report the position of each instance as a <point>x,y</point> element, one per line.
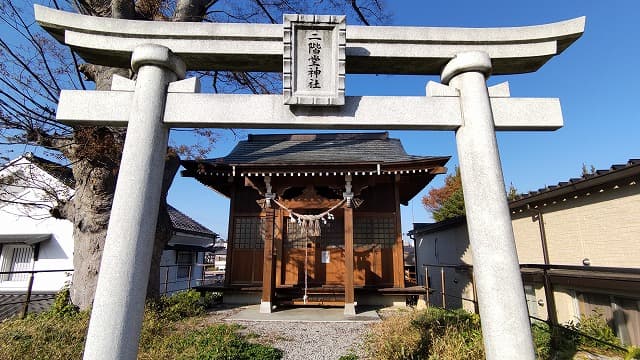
<point>313,59</point>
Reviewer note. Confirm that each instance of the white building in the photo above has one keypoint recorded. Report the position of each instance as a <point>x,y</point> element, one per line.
<point>182,263</point>
<point>32,240</point>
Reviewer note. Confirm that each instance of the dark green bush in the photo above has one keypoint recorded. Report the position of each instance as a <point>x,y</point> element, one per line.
<point>181,305</point>
<point>542,340</point>
<point>213,342</point>
<point>596,326</point>
<point>569,341</point>
<point>62,305</point>
<point>212,298</point>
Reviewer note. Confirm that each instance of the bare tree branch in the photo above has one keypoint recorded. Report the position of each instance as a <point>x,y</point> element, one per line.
<point>27,68</point>
<point>266,12</point>
<point>355,7</point>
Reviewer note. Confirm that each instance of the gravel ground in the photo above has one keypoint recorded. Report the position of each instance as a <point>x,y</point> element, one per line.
<point>310,340</point>
<point>301,340</point>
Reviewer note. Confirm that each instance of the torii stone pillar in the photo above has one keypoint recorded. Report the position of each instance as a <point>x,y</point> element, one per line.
<point>501,300</point>
<point>118,308</point>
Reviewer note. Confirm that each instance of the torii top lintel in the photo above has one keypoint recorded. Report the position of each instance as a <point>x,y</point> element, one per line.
<point>258,47</point>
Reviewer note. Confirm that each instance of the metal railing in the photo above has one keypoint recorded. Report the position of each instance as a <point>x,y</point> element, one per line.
<point>17,299</point>
<point>167,277</point>
<point>442,291</point>
<point>469,268</point>
<point>582,268</point>
<point>8,305</point>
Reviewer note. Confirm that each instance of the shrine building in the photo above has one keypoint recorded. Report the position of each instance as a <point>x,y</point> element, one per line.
<point>302,205</point>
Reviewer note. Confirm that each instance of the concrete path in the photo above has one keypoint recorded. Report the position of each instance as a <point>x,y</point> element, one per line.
<point>305,314</point>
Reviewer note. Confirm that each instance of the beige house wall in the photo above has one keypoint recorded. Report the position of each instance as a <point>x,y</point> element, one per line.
<point>601,227</point>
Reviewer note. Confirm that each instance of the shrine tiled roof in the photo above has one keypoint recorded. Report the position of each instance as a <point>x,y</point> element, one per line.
<point>182,222</point>
<point>341,148</point>
<point>318,155</point>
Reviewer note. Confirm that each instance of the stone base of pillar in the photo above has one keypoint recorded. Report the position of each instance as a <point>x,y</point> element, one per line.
<point>350,309</point>
<point>422,303</point>
<point>265,307</point>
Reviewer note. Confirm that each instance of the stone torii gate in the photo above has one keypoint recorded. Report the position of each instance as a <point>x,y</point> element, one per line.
<point>161,53</point>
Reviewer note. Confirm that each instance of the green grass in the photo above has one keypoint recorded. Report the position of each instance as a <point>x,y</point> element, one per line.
<point>172,329</point>
<point>438,334</point>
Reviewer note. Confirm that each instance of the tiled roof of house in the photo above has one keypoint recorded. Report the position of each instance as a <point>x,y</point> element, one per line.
<point>419,228</point>
<point>600,177</point>
<point>588,180</point>
<point>179,221</point>
<point>182,222</point>
<point>341,148</point>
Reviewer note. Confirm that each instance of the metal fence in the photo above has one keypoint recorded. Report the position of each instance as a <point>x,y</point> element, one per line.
<point>19,300</point>
<point>178,277</point>
<point>441,292</point>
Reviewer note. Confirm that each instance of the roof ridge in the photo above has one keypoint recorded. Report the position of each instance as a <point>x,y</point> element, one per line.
<point>319,137</point>
<point>189,225</point>
<point>584,178</point>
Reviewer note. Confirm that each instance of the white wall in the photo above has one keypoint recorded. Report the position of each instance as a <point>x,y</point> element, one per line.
<point>56,253</point>
<point>169,270</point>
<point>448,246</point>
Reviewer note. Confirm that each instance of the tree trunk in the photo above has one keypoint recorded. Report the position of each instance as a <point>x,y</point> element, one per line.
<point>96,153</point>
<point>164,229</point>
<point>89,211</point>
<point>96,158</point>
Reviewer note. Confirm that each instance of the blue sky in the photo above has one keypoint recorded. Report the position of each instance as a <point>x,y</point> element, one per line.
<point>596,79</point>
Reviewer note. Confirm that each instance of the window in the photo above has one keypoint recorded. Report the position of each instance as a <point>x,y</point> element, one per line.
<point>16,258</point>
<point>247,232</point>
<point>331,234</point>
<point>184,259</point>
<point>378,230</point>
<point>532,302</point>
<point>621,313</point>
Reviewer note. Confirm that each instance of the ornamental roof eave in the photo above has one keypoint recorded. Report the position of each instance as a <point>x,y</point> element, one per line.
<point>258,47</point>
<point>434,165</point>
<point>324,154</point>
<point>412,180</point>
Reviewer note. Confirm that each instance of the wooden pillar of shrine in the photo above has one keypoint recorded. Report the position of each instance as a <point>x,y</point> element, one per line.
<point>278,242</point>
<point>230,237</point>
<point>398,249</point>
<point>349,297</point>
<point>268,274</point>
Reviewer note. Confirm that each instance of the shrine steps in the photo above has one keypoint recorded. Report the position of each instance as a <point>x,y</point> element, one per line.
<point>316,296</point>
